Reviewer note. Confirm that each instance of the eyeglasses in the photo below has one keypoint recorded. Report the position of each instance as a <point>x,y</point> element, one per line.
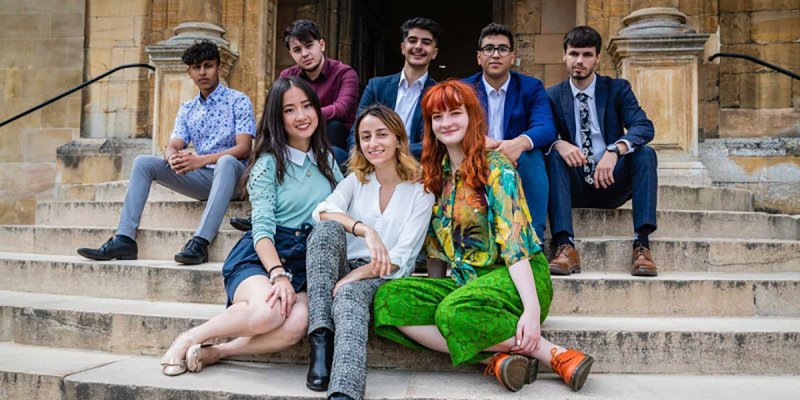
<point>488,51</point>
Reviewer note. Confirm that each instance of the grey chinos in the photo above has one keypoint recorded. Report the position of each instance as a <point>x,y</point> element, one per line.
<point>217,185</point>
<point>347,314</point>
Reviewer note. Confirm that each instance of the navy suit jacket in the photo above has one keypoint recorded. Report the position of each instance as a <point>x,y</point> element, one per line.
<point>383,90</point>
<point>526,109</point>
<point>617,111</point>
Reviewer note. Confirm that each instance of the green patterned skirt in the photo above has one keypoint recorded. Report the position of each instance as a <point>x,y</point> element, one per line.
<point>476,316</point>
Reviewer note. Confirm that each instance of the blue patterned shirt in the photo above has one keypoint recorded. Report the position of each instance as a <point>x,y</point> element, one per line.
<point>212,124</point>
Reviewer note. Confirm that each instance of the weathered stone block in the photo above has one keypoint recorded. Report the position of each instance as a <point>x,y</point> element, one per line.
<point>548,49</point>
<point>22,180</point>
<point>621,8</point>
<point>786,55</point>
<point>67,25</point>
<point>765,90</point>
<point>17,53</point>
<point>734,28</point>
<point>757,5</point>
<point>554,73</point>
<point>40,84</point>
<point>775,26</point>
<point>698,7</point>
<point>62,328</point>
<point>753,123</point>
<point>739,66</point>
<point>110,32</point>
<point>20,211</point>
<point>709,120</point>
<point>58,53</point>
<point>105,8</point>
<point>41,144</point>
<point>559,16</point>
<point>19,386</point>
<point>25,26</point>
<point>11,144</point>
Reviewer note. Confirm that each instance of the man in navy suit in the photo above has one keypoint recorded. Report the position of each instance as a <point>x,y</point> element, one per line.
<point>595,162</point>
<point>403,91</point>
<point>518,115</point>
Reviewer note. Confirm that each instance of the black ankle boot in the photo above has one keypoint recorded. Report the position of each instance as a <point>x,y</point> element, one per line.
<point>319,371</point>
<point>194,252</point>
<point>242,224</point>
<point>119,247</point>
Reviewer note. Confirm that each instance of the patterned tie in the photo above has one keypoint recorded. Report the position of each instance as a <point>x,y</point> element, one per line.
<point>586,139</point>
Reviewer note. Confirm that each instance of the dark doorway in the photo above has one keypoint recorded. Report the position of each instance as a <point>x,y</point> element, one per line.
<point>376,35</point>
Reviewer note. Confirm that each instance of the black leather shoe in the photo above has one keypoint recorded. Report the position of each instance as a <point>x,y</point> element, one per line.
<point>194,252</point>
<point>118,247</point>
<point>242,224</point>
<point>339,396</point>
<point>319,371</point>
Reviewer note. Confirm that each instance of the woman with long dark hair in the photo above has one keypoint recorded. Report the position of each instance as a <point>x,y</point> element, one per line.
<point>499,290</point>
<point>370,231</point>
<point>289,172</point>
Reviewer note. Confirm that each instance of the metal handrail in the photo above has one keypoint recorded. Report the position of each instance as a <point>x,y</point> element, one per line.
<point>75,89</point>
<point>757,61</point>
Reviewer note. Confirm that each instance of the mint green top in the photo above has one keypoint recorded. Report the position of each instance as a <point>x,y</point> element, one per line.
<point>288,204</point>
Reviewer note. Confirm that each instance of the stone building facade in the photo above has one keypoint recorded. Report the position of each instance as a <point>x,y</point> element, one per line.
<point>746,119</point>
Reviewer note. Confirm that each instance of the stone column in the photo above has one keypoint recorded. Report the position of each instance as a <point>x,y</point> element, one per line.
<point>659,54</point>
<point>200,20</point>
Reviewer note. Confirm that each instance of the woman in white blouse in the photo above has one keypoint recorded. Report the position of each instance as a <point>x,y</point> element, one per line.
<point>369,230</point>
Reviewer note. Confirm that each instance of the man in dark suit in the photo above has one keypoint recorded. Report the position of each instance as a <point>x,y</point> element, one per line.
<point>403,91</point>
<point>518,115</point>
<point>601,158</point>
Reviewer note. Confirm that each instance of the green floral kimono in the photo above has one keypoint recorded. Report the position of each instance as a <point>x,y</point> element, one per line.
<point>478,233</point>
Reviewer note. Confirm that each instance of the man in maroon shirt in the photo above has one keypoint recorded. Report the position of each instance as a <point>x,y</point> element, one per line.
<point>335,82</point>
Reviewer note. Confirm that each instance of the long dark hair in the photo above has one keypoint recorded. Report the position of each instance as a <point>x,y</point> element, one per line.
<point>271,136</point>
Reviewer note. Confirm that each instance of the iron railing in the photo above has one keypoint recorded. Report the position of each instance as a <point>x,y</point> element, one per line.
<point>757,60</point>
<point>73,90</point>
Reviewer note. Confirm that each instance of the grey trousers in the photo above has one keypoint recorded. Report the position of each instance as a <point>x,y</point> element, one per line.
<point>217,185</point>
<point>347,314</point>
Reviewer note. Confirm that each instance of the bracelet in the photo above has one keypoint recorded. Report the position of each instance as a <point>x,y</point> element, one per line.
<point>287,274</point>
<point>353,229</point>
<point>269,272</point>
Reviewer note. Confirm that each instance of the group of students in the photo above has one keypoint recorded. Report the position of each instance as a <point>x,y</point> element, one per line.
<point>339,250</point>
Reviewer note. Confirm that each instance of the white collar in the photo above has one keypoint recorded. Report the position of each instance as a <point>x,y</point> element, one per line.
<point>421,80</point>
<point>489,89</point>
<point>589,89</point>
<point>298,157</point>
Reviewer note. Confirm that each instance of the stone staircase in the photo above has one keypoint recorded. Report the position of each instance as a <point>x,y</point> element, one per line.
<point>725,304</point>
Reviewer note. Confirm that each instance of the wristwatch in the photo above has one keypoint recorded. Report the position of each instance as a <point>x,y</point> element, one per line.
<point>613,148</point>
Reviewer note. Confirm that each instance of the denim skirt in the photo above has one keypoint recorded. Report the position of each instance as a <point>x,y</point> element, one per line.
<point>243,261</point>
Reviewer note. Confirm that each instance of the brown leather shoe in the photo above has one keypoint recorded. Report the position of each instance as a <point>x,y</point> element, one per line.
<point>642,263</point>
<point>566,261</point>
<point>572,366</point>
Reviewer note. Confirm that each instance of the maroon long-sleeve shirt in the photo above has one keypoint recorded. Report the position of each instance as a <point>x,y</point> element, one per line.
<point>337,89</point>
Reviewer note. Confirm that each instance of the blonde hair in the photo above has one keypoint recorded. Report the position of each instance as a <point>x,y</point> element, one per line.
<point>407,167</point>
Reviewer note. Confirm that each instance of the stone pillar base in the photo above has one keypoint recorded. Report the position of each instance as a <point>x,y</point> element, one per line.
<point>683,173</point>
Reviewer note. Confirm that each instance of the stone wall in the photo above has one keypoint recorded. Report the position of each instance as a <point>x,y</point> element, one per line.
<point>42,47</point>
<point>116,33</point>
<point>754,100</point>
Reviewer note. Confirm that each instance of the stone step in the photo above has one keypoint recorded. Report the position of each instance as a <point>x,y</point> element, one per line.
<point>670,197</point>
<point>592,293</point>
<point>51,373</point>
<point>619,344</point>
<point>588,222</point>
<point>597,254</point>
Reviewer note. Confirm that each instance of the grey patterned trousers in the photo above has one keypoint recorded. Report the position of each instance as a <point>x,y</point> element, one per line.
<point>347,314</point>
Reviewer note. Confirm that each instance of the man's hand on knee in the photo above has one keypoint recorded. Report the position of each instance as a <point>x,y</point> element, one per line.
<point>571,154</point>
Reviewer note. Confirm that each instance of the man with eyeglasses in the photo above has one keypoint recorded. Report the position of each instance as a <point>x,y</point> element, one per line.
<point>518,116</point>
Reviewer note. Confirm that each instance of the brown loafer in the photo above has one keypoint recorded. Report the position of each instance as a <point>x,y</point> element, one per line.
<point>566,261</point>
<point>642,263</point>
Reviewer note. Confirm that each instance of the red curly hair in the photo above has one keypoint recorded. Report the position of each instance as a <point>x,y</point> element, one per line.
<point>449,95</point>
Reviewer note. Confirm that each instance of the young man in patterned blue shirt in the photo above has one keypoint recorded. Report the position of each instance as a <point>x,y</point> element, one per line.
<point>219,122</point>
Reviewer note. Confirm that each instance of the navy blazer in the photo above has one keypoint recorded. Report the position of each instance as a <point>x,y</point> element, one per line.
<point>617,111</point>
<point>383,90</point>
<point>526,109</point>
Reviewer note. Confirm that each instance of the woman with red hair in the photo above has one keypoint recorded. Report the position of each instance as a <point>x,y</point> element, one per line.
<point>499,290</point>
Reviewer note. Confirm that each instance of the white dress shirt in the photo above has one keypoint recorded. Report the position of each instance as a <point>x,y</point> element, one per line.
<point>596,135</point>
<point>408,97</point>
<point>402,225</point>
<point>497,103</point>
<point>497,106</point>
